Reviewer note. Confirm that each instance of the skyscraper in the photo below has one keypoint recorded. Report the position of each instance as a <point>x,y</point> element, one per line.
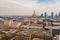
<point>45,15</point>
<point>59,14</point>
<point>52,14</point>
<point>56,16</point>
<point>42,15</point>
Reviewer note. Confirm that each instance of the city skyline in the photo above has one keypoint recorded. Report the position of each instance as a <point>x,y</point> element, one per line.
<point>26,7</point>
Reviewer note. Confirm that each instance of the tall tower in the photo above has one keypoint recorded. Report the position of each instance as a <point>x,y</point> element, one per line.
<point>56,16</point>
<point>45,15</point>
<point>52,14</point>
<point>34,17</point>
<point>59,14</point>
<point>42,15</point>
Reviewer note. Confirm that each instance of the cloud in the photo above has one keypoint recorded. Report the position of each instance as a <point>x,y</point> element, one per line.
<point>26,7</point>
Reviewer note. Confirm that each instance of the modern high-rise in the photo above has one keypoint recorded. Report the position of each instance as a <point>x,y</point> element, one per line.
<point>52,14</point>
<point>59,14</point>
<point>45,15</point>
<point>56,16</point>
<point>42,15</point>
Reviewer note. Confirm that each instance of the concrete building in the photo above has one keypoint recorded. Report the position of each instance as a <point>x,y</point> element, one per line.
<point>37,39</point>
<point>57,37</point>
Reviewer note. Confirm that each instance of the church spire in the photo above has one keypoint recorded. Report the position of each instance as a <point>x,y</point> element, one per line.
<point>34,14</point>
<point>34,11</point>
<point>34,17</point>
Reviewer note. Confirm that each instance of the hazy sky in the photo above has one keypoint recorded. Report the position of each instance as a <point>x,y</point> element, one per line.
<point>26,7</point>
